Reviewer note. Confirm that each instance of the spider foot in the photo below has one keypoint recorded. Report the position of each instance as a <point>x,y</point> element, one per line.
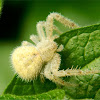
<point>60,48</point>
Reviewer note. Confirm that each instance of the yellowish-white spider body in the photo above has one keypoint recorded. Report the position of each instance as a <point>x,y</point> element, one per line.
<point>23,59</point>
<point>30,60</point>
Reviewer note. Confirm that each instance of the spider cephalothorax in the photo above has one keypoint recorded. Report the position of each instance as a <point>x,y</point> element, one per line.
<point>31,60</point>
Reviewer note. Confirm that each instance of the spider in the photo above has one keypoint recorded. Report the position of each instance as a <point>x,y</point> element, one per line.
<point>31,60</point>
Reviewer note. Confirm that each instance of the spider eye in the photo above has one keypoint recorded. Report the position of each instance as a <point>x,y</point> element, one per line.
<point>35,54</point>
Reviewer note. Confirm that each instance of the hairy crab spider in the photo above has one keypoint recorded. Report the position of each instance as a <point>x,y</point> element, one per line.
<point>31,60</point>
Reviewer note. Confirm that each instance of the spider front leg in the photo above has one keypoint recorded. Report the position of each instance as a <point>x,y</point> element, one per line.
<point>41,32</point>
<point>61,19</point>
<point>55,63</point>
<point>35,39</point>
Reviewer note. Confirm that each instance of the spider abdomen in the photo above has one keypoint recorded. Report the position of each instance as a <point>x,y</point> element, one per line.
<point>27,62</point>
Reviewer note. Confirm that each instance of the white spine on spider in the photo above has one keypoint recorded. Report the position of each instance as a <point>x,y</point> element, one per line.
<point>28,59</point>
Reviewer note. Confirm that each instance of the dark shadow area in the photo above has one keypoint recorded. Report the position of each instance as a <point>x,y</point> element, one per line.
<point>12,14</point>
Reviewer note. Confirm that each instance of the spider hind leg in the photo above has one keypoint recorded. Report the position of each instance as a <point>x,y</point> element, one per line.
<point>53,73</point>
<point>55,79</point>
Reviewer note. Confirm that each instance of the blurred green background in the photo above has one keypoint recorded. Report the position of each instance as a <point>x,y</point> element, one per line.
<point>19,18</point>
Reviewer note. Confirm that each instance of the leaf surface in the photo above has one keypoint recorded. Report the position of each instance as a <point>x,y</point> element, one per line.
<point>20,87</point>
<point>82,49</point>
<point>56,94</point>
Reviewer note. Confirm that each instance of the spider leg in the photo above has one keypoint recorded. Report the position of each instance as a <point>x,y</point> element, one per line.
<point>60,48</point>
<point>61,19</point>
<point>42,75</point>
<point>68,72</point>
<point>34,38</point>
<point>48,74</point>
<point>25,43</point>
<point>56,29</point>
<point>55,37</point>
<point>40,30</point>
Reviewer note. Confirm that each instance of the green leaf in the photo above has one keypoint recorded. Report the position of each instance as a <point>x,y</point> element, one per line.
<point>1,3</point>
<point>56,94</point>
<point>82,49</point>
<point>28,88</point>
<point>97,96</point>
<point>81,46</point>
